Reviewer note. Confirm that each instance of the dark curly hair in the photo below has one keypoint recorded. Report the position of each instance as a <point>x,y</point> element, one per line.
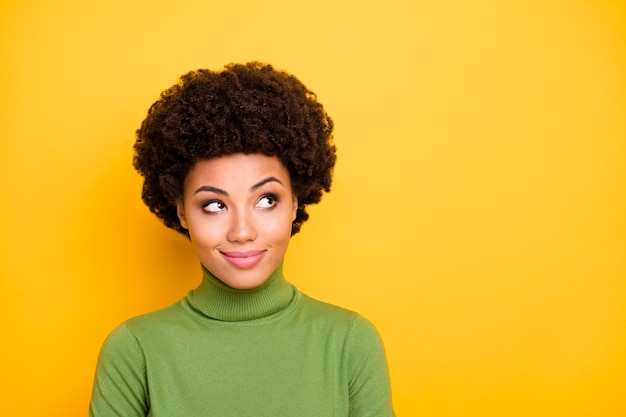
<point>247,108</point>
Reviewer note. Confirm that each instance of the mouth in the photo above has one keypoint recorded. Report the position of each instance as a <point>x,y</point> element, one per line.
<point>245,259</point>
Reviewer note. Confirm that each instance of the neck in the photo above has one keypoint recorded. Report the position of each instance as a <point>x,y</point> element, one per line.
<point>218,301</point>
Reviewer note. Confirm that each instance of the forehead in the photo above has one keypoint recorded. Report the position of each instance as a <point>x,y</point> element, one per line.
<point>238,168</point>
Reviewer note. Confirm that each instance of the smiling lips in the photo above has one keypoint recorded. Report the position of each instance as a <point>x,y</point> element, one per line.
<point>244,259</point>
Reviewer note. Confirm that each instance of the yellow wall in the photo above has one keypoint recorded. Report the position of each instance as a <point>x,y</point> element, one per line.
<point>478,216</point>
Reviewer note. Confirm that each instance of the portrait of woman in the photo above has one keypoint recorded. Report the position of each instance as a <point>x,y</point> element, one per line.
<point>231,159</point>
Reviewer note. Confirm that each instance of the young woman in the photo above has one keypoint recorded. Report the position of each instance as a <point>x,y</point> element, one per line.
<point>231,159</point>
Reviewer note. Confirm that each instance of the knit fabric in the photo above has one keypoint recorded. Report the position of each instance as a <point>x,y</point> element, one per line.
<point>266,351</point>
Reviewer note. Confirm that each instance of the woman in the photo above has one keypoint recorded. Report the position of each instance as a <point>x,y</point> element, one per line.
<point>231,159</point>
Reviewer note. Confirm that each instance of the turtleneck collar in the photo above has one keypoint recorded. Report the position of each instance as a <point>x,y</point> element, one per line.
<point>218,301</point>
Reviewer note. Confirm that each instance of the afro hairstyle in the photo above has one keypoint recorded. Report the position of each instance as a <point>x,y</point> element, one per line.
<point>243,108</point>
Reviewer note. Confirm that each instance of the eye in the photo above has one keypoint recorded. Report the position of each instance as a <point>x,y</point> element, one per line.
<point>214,206</point>
<point>267,201</point>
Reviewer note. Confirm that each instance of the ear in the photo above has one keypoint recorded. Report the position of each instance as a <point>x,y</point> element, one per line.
<point>180,211</point>
<point>295,208</point>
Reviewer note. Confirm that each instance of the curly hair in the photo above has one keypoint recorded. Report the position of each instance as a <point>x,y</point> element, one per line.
<point>244,108</point>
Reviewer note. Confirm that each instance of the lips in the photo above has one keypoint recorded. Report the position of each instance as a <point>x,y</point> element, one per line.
<point>245,259</point>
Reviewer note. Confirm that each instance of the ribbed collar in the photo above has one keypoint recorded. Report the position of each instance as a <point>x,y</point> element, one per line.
<point>218,301</point>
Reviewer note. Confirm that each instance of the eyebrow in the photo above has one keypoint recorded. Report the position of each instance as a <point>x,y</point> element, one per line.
<point>216,190</point>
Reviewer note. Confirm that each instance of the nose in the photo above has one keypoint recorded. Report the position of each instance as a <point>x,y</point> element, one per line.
<point>242,228</point>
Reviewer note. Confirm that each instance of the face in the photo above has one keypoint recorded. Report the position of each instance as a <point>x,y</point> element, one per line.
<point>238,210</point>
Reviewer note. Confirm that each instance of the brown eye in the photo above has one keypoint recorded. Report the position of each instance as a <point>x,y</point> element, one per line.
<point>267,201</point>
<point>214,206</point>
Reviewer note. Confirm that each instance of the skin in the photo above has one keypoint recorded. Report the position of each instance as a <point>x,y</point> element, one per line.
<point>238,210</point>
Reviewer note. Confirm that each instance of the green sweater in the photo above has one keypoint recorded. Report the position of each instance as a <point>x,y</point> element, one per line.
<point>267,351</point>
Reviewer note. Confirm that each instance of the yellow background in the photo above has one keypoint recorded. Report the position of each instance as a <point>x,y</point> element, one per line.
<point>478,215</point>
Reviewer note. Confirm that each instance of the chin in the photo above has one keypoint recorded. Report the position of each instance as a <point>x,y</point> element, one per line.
<point>245,280</point>
<point>245,284</point>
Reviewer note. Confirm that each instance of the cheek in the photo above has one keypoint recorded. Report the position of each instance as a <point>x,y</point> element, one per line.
<point>204,234</point>
<point>279,231</point>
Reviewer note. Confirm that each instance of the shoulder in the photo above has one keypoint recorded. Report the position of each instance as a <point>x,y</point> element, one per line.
<point>354,324</point>
<point>317,310</point>
<point>154,322</point>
